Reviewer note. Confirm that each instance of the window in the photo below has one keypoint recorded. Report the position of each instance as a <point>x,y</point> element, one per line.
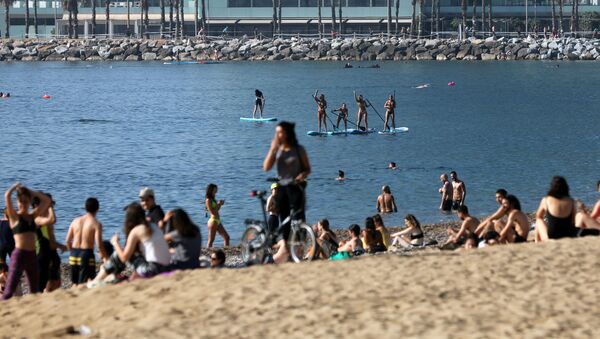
<point>359,3</point>
<point>238,3</point>
<point>381,3</point>
<point>289,3</point>
<point>263,3</point>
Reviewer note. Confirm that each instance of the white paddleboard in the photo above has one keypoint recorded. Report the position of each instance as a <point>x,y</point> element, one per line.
<point>258,119</point>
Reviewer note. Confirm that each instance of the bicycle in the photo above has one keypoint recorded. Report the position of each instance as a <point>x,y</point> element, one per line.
<point>257,241</point>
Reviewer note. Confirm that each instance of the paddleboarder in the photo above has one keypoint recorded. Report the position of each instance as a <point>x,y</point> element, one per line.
<point>390,106</point>
<point>342,115</point>
<point>259,103</point>
<point>362,110</point>
<point>321,110</point>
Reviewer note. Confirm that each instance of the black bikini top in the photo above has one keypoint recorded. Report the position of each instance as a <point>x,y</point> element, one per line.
<point>23,226</point>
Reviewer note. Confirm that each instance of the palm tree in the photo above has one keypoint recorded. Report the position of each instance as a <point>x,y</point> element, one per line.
<point>319,18</point>
<point>181,6</point>
<point>7,4</point>
<point>553,15</point>
<point>333,15</point>
<point>177,22</point>
<point>171,18</point>
<point>397,14</point>
<point>474,20</point>
<point>128,21</point>
<point>463,9</point>
<point>35,17</point>
<point>66,5</point>
<point>412,19</point>
<point>341,21</point>
<point>560,17</point>
<point>107,24</point>
<point>146,20</point>
<point>196,12</point>
<point>75,10</point>
<point>203,14</point>
<point>437,17</point>
<point>94,17</point>
<point>483,15</point>
<point>389,17</point>
<point>26,18</point>
<point>162,17</point>
<point>432,15</point>
<point>421,16</point>
<point>274,26</point>
<point>489,15</point>
<point>279,16</point>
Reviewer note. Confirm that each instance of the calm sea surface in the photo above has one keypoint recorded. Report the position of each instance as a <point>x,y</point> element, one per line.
<point>112,128</point>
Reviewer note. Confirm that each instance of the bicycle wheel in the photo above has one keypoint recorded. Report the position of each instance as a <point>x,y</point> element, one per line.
<point>252,244</point>
<point>302,243</point>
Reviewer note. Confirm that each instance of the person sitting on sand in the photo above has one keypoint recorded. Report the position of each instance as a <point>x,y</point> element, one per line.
<point>343,115</point>
<point>273,221</point>
<point>354,245</point>
<point>372,240</point>
<point>362,111</point>
<point>217,259</point>
<point>588,222</point>
<point>446,193</point>
<point>321,110</point>
<point>558,208</point>
<point>386,202</point>
<point>154,213</point>
<point>379,226</point>
<point>411,236</point>
<point>326,239</point>
<point>490,222</point>
<point>341,176</point>
<point>185,241</point>
<point>146,250</point>
<point>83,233</point>
<point>468,226</point>
<point>516,228</point>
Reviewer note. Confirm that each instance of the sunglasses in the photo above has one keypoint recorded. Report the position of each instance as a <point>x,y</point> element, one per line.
<point>213,258</point>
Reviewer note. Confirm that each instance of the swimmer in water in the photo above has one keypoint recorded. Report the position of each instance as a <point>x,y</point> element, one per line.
<point>362,111</point>
<point>341,176</point>
<point>321,110</point>
<point>343,115</point>
<point>392,165</point>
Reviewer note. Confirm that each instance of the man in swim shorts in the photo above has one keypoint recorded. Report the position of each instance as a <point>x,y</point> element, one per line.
<point>84,232</point>
<point>446,193</point>
<point>459,191</point>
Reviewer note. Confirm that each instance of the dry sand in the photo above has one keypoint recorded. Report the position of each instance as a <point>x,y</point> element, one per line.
<point>517,291</point>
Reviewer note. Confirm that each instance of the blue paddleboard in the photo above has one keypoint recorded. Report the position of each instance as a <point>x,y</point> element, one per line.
<point>358,131</point>
<point>318,134</point>
<point>258,119</point>
<point>397,130</point>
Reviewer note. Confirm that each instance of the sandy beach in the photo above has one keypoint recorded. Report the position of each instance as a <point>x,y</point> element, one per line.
<point>513,291</point>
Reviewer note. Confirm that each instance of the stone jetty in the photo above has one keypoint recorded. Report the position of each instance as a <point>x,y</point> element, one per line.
<point>348,49</point>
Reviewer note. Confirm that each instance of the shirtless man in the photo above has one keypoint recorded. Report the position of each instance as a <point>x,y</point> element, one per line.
<point>343,115</point>
<point>589,220</point>
<point>362,111</point>
<point>83,232</point>
<point>516,228</point>
<point>468,226</point>
<point>459,191</point>
<point>446,193</point>
<point>390,106</point>
<point>491,221</point>
<point>386,202</point>
<point>354,244</point>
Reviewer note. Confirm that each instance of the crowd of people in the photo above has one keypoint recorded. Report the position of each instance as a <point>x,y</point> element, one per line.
<point>157,242</point>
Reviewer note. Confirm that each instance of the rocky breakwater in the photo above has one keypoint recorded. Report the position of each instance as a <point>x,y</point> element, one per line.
<point>369,49</point>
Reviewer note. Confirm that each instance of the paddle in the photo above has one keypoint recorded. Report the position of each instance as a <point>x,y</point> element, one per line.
<point>350,121</point>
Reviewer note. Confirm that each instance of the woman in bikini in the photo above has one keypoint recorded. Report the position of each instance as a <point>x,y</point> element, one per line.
<point>362,111</point>
<point>321,110</point>
<point>390,106</point>
<point>259,103</point>
<point>214,222</point>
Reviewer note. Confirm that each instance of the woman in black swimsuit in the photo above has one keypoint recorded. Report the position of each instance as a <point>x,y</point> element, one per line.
<point>22,224</point>
<point>259,103</point>
<point>555,218</point>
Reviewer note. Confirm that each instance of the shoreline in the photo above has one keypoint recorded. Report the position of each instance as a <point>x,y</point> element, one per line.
<point>294,49</point>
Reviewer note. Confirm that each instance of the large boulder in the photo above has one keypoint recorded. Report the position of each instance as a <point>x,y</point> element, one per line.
<point>149,56</point>
<point>488,56</point>
<point>61,49</point>
<point>424,56</point>
<point>463,52</point>
<point>19,52</point>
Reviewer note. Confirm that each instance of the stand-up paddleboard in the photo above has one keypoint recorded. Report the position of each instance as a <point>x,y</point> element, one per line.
<point>208,62</point>
<point>258,119</point>
<point>358,131</point>
<point>397,130</point>
<point>319,134</point>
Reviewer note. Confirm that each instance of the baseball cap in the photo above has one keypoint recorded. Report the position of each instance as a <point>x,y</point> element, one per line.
<point>274,185</point>
<point>146,192</point>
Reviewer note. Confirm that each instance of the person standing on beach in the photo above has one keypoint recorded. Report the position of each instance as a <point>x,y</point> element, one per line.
<point>321,110</point>
<point>446,193</point>
<point>362,111</point>
<point>22,224</point>
<point>259,103</point>
<point>459,191</point>
<point>83,233</point>
<point>214,222</point>
<point>293,168</point>
<point>468,226</point>
<point>390,107</point>
<point>516,228</point>
<point>490,222</point>
<point>343,115</point>
<point>154,213</point>
<point>385,201</point>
